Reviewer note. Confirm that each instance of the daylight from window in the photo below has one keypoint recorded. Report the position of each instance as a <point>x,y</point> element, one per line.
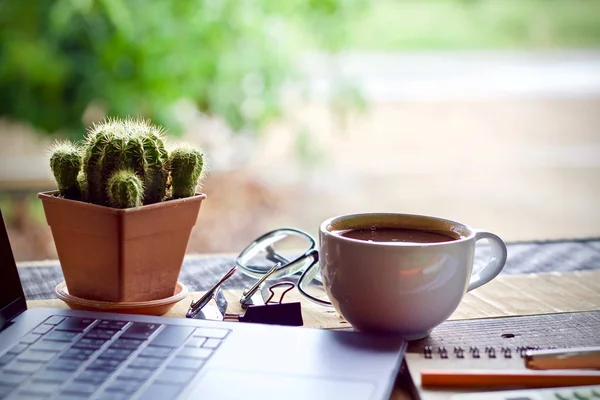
<point>485,112</point>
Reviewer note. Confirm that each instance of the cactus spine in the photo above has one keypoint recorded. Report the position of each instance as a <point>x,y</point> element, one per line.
<point>186,164</point>
<point>124,163</point>
<point>65,163</point>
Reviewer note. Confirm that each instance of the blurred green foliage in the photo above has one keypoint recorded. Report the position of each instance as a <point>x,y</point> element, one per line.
<point>231,58</point>
<point>476,24</point>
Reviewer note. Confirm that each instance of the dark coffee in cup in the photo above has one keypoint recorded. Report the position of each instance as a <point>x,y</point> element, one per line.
<point>396,235</point>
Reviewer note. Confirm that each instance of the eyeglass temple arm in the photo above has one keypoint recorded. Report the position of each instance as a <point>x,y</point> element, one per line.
<point>196,306</point>
<point>247,294</point>
<point>272,255</point>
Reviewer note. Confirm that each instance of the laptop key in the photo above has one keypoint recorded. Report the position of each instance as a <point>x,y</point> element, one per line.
<point>158,391</point>
<point>212,343</point>
<point>5,390</point>
<point>172,336</point>
<point>54,320</point>
<point>175,376</point>
<point>106,365</point>
<point>61,336</point>
<point>49,345</point>
<point>195,342</point>
<point>109,395</point>
<point>110,324</point>
<point>37,355</point>
<point>24,367</point>
<point>85,343</point>
<point>29,396</point>
<point>18,348</point>
<point>65,364</point>
<point>132,344</point>
<point>45,388</point>
<point>158,352</point>
<point>105,334</point>
<point>216,333</point>
<point>93,376</point>
<point>116,354</point>
<point>42,329</point>
<point>12,379</point>
<point>73,324</point>
<point>139,330</point>
<point>147,362</point>
<point>52,375</point>
<point>80,388</point>
<point>189,363</point>
<point>30,338</point>
<point>78,354</point>
<point>140,374</point>
<point>202,353</point>
<point>124,385</point>
<point>5,359</point>
<point>72,396</point>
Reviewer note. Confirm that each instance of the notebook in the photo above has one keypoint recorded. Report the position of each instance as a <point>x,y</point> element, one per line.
<point>575,329</point>
<point>497,343</point>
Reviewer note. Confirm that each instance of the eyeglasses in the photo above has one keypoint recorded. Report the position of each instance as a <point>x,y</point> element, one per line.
<point>282,253</point>
<point>278,254</point>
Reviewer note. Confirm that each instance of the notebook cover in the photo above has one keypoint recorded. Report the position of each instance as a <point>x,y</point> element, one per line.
<point>512,333</point>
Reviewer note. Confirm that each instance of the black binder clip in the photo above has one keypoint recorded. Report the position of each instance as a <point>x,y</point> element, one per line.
<point>275,313</point>
<point>213,305</point>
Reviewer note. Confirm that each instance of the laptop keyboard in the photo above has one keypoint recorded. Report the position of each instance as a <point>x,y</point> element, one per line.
<point>83,358</point>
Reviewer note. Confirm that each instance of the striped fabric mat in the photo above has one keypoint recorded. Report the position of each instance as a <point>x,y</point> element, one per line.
<point>201,272</point>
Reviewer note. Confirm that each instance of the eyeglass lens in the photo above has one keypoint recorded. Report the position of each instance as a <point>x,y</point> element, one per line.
<point>286,246</point>
<point>295,251</point>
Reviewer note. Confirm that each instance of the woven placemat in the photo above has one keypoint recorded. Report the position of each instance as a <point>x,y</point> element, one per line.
<point>199,273</point>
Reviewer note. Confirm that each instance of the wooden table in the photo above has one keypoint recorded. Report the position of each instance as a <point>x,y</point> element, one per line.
<point>507,295</point>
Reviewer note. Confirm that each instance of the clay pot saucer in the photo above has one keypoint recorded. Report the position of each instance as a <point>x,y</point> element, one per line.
<point>151,307</point>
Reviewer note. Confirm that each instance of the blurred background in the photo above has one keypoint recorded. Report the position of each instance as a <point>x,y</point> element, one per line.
<point>482,111</point>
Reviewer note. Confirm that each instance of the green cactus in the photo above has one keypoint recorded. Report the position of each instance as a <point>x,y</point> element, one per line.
<point>83,185</point>
<point>157,172</point>
<point>119,144</point>
<point>65,162</point>
<point>94,145</point>
<point>96,174</point>
<point>125,189</point>
<point>186,165</point>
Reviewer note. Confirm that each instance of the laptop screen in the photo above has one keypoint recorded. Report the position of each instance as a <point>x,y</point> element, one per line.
<point>12,299</point>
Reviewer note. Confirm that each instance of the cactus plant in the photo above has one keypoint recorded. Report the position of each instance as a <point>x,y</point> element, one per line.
<point>187,165</point>
<point>125,189</point>
<point>121,158</point>
<point>65,162</point>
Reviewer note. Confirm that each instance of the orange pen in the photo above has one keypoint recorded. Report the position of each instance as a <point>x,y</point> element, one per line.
<point>507,378</point>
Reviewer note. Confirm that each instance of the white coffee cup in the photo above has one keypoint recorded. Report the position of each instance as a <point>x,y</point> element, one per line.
<point>399,287</point>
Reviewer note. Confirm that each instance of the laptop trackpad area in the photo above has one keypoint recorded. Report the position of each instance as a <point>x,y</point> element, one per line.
<point>244,385</point>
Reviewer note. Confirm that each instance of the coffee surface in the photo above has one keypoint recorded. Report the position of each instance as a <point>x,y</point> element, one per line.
<point>394,235</point>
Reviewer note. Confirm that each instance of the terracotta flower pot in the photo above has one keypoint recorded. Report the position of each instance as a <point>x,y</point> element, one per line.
<point>110,254</point>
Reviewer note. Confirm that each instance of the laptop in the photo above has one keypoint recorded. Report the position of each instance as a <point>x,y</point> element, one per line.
<point>68,354</point>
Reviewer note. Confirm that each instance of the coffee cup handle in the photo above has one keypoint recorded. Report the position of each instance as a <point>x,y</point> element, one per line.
<point>494,264</point>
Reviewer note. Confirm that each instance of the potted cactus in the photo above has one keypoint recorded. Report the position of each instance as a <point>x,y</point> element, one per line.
<point>124,210</point>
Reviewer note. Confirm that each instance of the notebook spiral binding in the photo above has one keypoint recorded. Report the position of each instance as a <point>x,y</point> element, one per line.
<point>475,352</point>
